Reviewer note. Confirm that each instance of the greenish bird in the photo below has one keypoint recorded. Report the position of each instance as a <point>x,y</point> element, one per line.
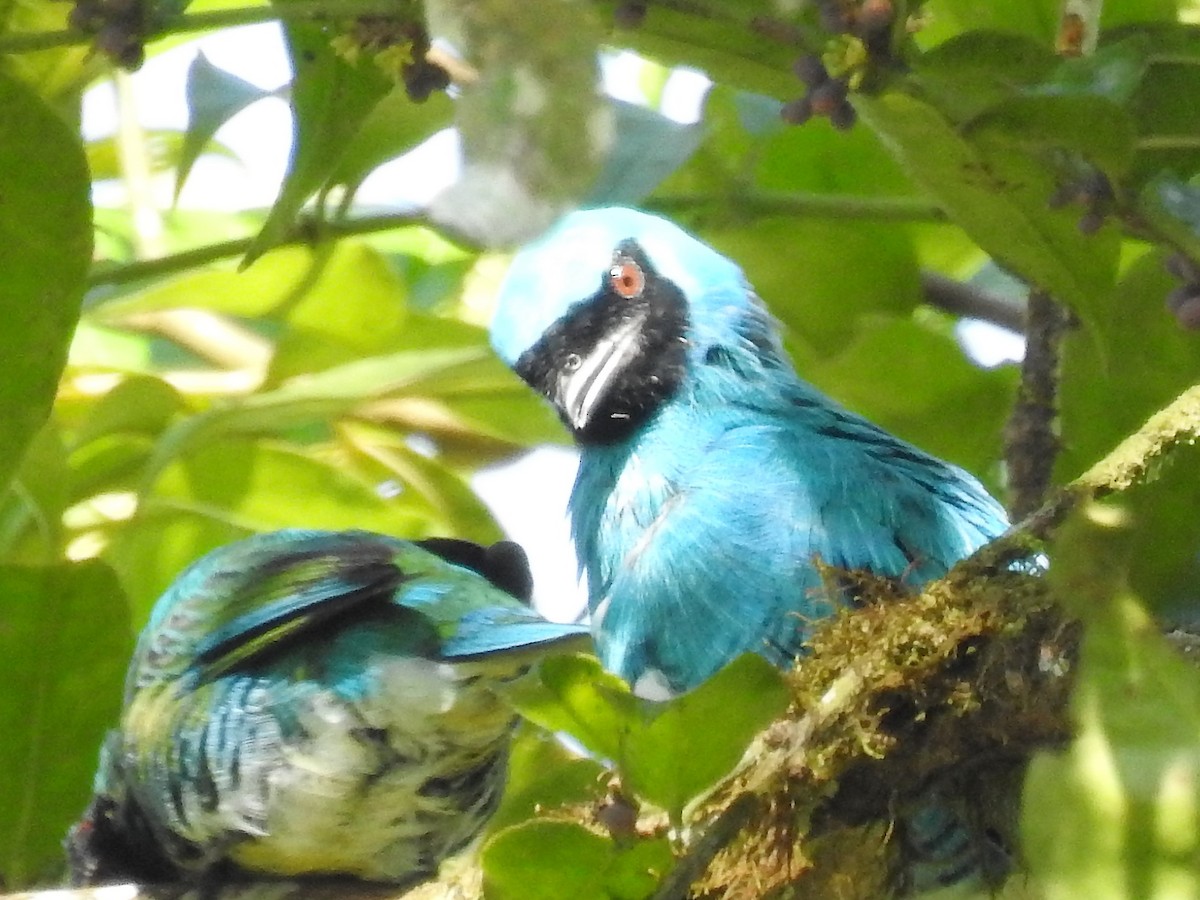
<point>315,703</point>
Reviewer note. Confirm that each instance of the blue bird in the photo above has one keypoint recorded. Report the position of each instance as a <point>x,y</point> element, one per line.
<point>710,474</point>
<point>315,703</point>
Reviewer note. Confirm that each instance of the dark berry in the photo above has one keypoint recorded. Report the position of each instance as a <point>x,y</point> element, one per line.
<point>629,15</point>
<point>423,78</point>
<point>84,17</point>
<point>835,15</point>
<point>1181,267</point>
<point>827,97</point>
<point>618,816</point>
<point>810,70</point>
<point>874,20</point>
<point>797,112</point>
<point>843,116</point>
<point>1184,303</point>
<point>1091,221</point>
<point>118,42</point>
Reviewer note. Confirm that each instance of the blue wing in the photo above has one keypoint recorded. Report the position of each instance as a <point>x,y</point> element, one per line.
<point>262,594</point>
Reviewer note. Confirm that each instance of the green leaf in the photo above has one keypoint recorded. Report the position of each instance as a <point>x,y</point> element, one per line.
<point>45,249</point>
<point>573,693</point>
<point>352,306</point>
<point>31,516</point>
<point>394,126</point>
<point>678,754</point>
<point>64,645</point>
<point>140,404</point>
<point>544,774</point>
<point>824,279</point>
<point>667,753</point>
<point>549,859</point>
<point>977,69</point>
<point>330,98</point>
<point>999,197</point>
<point>1126,368</point>
<point>1094,127</point>
<point>1114,71</point>
<point>163,146</point>
<point>1169,135</point>
<point>546,860</point>
<point>1114,815</point>
<point>214,96</point>
<point>427,484</point>
<point>1036,19</point>
<point>223,490</point>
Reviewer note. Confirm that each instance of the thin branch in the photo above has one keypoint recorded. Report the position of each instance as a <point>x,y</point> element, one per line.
<point>1031,435</point>
<point>303,232</point>
<point>32,41</point>
<point>723,829</point>
<point>967,300</point>
<point>817,206</point>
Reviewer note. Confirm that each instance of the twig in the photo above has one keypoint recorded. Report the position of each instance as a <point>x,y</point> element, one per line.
<point>967,300</point>
<point>817,206</point>
<point>722,830</point>
<point>302,232</point>
<point>1031,436</point>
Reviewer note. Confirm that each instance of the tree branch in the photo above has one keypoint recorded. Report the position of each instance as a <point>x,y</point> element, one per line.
<point>1031,435</point>
<point>967,300</point>
<point>31,41</point>
<point>303,232</point>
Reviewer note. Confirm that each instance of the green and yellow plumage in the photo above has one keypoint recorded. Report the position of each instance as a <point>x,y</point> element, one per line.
<point>315,703</point>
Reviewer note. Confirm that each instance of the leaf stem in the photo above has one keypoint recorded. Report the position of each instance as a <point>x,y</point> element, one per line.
<point>304,232</point>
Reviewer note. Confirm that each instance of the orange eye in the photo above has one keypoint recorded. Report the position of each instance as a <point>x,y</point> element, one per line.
<point>627,279</point>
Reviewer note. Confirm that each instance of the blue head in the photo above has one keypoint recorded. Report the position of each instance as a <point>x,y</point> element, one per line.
<point>607,311</point>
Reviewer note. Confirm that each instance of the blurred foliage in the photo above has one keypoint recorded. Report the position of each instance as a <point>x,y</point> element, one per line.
<point>326,365</point>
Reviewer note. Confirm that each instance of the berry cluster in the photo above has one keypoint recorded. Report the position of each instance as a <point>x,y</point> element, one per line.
<point>864,31</point>
<point>119,27</point>
<point>1184,301</point>
<point>400,48</point>
<point>871,21</point>
<point>1090,190</point>
<point>826,96</point>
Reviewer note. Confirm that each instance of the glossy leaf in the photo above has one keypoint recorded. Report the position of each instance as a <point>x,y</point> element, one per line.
<point>330,98</point>
<point>45,248</point>
<point>1094,127</point>
<point>395,125</point>
<point>999,197</point>
<point>574,694</point>
<point>689,743</point>
<point>667,753</point>
<point>546,860</point>
<point>543,774</point>
<point>64,645</point>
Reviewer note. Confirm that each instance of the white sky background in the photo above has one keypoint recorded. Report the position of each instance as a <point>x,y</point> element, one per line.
<point>527,496</point>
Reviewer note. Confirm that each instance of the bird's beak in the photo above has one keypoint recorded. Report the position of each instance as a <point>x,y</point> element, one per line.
<point>580,392</point>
